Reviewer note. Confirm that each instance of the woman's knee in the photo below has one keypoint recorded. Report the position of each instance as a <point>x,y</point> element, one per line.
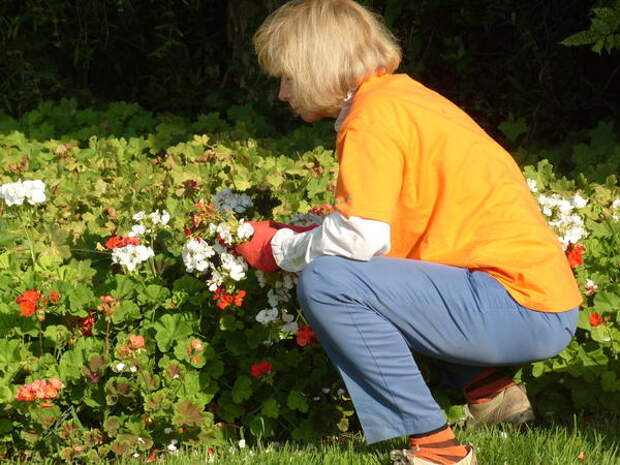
<point>322,280</point>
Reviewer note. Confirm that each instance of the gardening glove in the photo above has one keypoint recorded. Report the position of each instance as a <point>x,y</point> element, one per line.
<point>257,251</point>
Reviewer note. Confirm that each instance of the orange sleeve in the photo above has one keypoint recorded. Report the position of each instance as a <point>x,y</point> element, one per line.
<point>370,174</point>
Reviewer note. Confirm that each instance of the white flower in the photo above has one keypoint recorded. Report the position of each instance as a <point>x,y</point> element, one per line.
<point>235,266</point>
<point>167,430</point>
<point>132,255</point>
<point>137,230</point>
<point>532,185</point>
<point>591,287</point>
<point>242,444</point>
<point>136,454</point>
<point>35,191</point>
<point>244,230</point>
<point>616,204</point>
<point>120,366</point>
<point>160,218</point>
<point>215,281</point>
<point>326,390</point>
<point>133,368</point>
<point>225,199</point>
<point>267,315</point>
<point>13,193</point>
<point>261,276</point>
<point>289,324</point>
<point>578,201</point>
<point>196,254</point>
<point>223,230</point>
<point>340,392</point>
<point>138,216</point>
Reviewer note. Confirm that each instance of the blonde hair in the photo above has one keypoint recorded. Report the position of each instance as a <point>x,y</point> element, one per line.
<point>327,48</point>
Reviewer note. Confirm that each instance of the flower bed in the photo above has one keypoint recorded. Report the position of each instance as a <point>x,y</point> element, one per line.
<point>132,329</point>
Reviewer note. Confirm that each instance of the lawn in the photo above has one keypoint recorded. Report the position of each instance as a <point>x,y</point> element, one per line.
<point>583,442</point>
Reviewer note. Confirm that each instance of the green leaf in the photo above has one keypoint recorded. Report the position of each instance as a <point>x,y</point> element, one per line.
<point>242,389</point>
<point>607,301</point>
<point>270,408</point>
<point>170,328</point>
<point>58,334</point>
<point>127,311</point>
<point>296,401</point>
<point>187,412</point>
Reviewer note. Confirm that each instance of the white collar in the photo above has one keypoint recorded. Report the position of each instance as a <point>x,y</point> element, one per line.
<point>344,111</point>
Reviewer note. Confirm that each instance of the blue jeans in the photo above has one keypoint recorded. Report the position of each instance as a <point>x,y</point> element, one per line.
<point>370,316</point>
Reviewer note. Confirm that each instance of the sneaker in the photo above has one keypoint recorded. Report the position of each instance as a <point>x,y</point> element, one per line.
<point>407,457</point>
<point>509,406</point>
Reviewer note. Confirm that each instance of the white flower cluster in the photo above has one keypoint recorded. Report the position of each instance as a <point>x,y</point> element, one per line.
<point>153,219</point>
<point>270,315</point>
<point>280,291</point>
<point>532,185</point>
<point>225,199</point>
<point>121,367</point>
<point>200,256</point>
<point>591,287</point>
<point>196,254</point>
<point>561,216</point>
<point>132,255</point>
<point>16,192</point>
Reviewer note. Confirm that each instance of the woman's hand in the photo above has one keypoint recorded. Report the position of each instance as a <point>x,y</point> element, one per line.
<point>257,251</point>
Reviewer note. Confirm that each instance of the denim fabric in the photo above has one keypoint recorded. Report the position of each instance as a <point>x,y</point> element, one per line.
<point>370,316</point>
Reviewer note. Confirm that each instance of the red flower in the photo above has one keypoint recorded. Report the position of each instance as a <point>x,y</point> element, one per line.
<point>87,323</point>
<point>135,342</point>
<point>32,295</point>
<point>106,299</point>
<point>260,369</point>
<point>596,319</point>
<point>304,335</point>
<point>574,255</point>
<point>28,302</point>
<point>224,299</point>
<point>239,298</point>
<point>55,297</point>
<point>116,242</point>
<point>322,210</point>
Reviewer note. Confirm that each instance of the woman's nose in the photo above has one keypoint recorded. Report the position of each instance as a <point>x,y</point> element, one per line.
<point>285,90</point>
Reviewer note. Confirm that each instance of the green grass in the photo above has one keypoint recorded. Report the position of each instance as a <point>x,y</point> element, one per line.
<point>555,445</point>
<point>599,442</point>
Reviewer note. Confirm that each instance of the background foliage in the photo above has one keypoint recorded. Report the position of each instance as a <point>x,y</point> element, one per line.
<point>499,60</point>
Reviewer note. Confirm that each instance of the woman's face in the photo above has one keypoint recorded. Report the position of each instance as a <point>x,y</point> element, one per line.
<point>286,95</point>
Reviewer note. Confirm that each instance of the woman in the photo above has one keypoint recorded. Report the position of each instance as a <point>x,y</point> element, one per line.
<point>436,245</point>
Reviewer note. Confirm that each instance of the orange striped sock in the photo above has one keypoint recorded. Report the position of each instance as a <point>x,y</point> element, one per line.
<point>439,446</point>
<point>486,386</point>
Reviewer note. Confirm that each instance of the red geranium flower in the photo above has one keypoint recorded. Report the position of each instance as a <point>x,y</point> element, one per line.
<point>28,302</point>
<point>87,323</point>
<point>260,369</point>
<point>304,335</point>
<point>596,319</point>
<point>136,341</point>
<point>116,242</point>
<point>575,255</point>
<point>54,296</point>
<point>239,298</point>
